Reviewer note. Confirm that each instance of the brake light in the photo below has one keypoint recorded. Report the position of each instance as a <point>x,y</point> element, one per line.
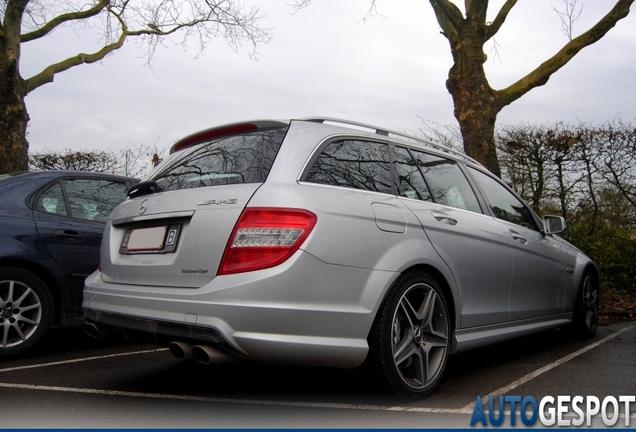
<point>265,237</point>
<point>208,134</point>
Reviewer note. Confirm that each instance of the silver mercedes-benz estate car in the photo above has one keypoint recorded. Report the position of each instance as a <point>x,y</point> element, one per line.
<point>323,242</point>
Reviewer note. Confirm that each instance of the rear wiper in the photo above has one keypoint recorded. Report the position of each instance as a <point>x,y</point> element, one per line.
<point>143,188</point>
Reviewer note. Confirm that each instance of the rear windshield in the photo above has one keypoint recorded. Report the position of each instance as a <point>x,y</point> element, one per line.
<point>245,158</point>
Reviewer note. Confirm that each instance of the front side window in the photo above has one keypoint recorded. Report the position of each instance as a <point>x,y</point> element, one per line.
<point>447,182</point>
<point>502,202</point>
<point>354,164</point>
<point>245,158</point>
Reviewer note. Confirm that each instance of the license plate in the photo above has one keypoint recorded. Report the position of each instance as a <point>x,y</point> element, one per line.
<point>147,238</point>
<point>150,240</point>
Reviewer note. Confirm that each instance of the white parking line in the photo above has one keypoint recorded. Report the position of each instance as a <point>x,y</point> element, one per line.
<point>235,401</point>
<point>503,390</point>
<point>81,360</point>
<point>468,409</point>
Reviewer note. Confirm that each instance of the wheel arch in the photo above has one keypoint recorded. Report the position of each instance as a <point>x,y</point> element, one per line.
<point>451,299</point>
<point>592,270</point>
<point>379,369</point>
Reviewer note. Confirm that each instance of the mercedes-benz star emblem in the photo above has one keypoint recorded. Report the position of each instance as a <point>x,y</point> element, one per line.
<point>143,206</point>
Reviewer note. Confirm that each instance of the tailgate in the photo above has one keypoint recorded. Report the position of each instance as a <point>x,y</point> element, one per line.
<point>174,238</point>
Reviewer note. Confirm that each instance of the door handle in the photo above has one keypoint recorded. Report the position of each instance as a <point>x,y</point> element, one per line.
<point>516,236</point>
<point>68,235</point>
<point>443,217</point>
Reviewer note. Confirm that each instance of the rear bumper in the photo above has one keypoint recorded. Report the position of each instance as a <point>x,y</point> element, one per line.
<point>161,333</point>
<point>302,312</point>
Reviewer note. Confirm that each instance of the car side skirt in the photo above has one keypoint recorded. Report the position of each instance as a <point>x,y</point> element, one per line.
<point>476,337</point>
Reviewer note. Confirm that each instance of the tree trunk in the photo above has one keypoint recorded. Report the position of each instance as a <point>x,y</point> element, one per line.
<point>13,119</point>
<point>13,113</point>
<point>475,102</point>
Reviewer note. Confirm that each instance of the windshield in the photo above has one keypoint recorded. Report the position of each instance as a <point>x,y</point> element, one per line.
<point>244,158</point>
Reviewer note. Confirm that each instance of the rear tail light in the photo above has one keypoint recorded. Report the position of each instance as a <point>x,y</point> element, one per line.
<point>265,237</point>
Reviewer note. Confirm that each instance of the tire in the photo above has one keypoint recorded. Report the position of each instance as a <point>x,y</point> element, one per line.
<point>410,338</point>
<point>26,311</point>
<point>586,307</point>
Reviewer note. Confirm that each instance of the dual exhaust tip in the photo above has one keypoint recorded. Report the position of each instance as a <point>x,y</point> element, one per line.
<point>204,354</point>
<point>94,330</point>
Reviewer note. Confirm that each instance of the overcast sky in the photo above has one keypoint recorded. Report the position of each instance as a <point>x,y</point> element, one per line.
<point>323,61</point>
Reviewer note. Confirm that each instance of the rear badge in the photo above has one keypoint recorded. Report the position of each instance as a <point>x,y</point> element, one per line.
<point>218,202</point>
<point>143,207</point>
<point>194,271</point>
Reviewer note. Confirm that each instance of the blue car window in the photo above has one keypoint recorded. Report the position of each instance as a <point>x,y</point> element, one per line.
<point>94,199</point>
<point>52,201</point>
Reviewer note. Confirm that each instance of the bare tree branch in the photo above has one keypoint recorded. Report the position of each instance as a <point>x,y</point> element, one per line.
<point>207,20</point>
<point>64,18</point>
<point>494,27</point>
<point>299,4</point>
<point>48,74</point>
<point>11,27</point>
<point>449,18</point>
<point>476,10</point>
<point>541,74</point>
<point>569,16</point>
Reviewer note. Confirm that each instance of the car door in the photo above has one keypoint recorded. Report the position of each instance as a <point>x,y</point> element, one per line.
<point>69,215</point>
<point>473,244</point>
<point>539,267</point>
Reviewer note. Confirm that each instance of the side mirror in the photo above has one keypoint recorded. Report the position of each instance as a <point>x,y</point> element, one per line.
<point>553,224</point>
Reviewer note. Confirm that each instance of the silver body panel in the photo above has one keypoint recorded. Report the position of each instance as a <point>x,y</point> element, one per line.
<point>317,307</point>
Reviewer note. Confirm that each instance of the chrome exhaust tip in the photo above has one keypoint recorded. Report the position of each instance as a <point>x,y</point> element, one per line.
<point>180,350</point>
<point>209,355</point>
<point>93,330</point>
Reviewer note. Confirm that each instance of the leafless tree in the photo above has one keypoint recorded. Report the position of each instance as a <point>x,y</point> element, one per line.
<point>148,22</point>
<point>476,103</point>
<point>74,160</point>
<point>133,161</point>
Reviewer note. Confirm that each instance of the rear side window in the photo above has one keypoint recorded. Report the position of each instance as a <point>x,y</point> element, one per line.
<point>410,180</point>
<point>245,158</point>
<point>87,199</point>
<point>447,182</point>
<point>94,199</point>
<point>354,164</point>
<point>52,201</point>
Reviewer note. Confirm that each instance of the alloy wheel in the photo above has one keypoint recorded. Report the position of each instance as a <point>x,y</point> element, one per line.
<point>20,313</point>
<point>419,336</point>
<point>590,303</point>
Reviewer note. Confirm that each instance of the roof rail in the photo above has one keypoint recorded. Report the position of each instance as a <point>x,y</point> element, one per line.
<point>389,133</point>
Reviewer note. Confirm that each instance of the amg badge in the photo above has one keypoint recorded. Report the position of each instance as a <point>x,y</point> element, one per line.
<point>218,202</point>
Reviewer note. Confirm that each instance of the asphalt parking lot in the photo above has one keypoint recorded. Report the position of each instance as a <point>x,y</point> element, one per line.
<point>75,381</point>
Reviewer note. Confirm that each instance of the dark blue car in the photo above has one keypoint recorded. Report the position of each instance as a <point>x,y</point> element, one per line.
<point>51,226</point>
